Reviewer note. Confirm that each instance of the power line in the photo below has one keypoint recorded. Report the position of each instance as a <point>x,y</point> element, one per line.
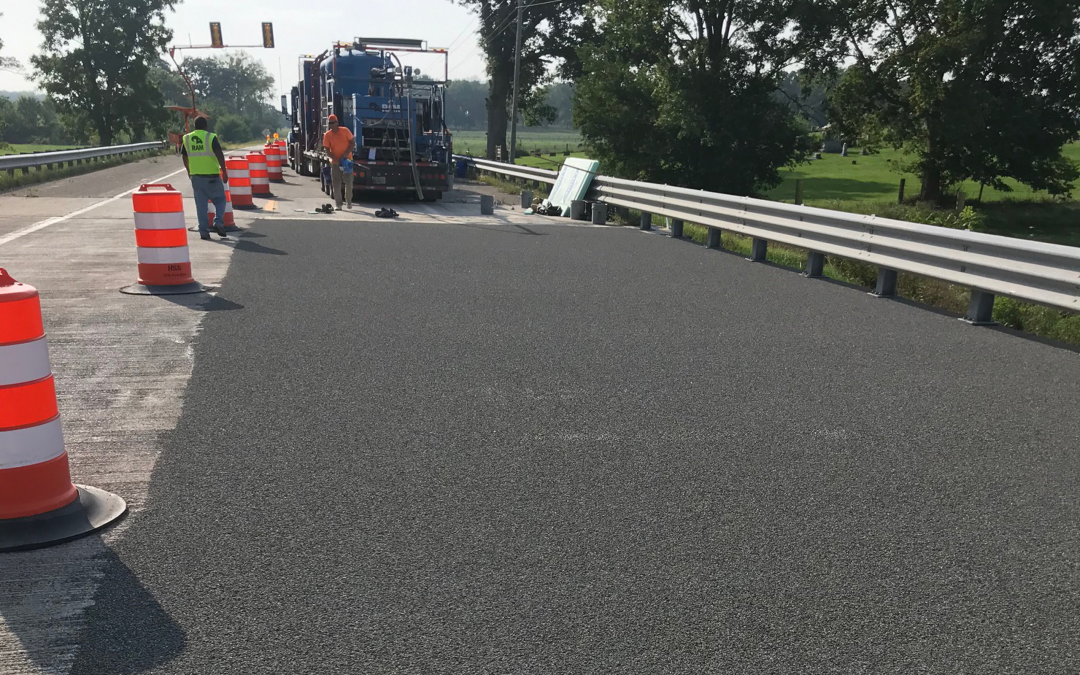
<point>498,31</point>
<point>471,24</point>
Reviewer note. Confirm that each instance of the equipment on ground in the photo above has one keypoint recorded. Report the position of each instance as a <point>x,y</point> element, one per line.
<point>396,115</point>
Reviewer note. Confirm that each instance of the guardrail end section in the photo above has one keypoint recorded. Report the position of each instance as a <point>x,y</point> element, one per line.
<point>980,309</point>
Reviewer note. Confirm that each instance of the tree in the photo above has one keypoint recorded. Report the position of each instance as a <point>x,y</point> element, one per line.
<point>976,90</point>
<point>235,82</point>
<point>684,92</point>
<point>7,62</point>
<point>465,105</point>
<point>550,32</point>
<point>96,59</point>
<point>30,119</point>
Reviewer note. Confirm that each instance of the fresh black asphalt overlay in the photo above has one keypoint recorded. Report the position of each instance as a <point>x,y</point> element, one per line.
<point>471,449</point>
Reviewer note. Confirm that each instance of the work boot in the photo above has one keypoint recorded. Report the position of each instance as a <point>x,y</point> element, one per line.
<point>220,229</point>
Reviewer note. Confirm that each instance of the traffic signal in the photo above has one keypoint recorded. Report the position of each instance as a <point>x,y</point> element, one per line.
<point>215,35</point>
<point>268,35</point>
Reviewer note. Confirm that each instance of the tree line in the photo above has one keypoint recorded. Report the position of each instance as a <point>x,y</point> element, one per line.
<point>722,94</point>
<point>466,106</point>
<point>105,80</point>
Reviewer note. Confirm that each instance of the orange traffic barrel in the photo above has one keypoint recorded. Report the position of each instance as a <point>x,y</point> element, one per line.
<point>260,179</point>
<point>229,219</point>
<point>273,163</point>
<point>161,241</point>
<point>239,182</point>
<point>39,506</point>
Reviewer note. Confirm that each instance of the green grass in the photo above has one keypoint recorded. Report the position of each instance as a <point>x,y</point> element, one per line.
<point>16,148</point>
<point>875,178</point>
<point>475,142</point>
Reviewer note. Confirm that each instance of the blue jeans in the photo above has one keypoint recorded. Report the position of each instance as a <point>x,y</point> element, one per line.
<point>208,189</point>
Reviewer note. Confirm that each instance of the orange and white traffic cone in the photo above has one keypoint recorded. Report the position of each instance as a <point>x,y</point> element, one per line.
<point>161,242</point>
<point>229,219</point>
<point>39,506</point>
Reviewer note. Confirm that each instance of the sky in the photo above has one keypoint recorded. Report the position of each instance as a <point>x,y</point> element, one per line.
<point>300,27</point>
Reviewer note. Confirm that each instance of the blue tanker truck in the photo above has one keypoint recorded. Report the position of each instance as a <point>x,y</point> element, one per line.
<point>396,113</point>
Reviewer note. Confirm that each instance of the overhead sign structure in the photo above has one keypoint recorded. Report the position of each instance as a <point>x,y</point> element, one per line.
<point>215,35</point>
<point>268,35</point>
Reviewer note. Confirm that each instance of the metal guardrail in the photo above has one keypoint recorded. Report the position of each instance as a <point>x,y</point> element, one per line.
<point>989,265</point>
<point>26,161</point>
<point>512,170</point>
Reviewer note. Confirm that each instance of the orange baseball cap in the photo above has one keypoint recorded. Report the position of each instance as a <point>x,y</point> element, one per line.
<point>332,118</point>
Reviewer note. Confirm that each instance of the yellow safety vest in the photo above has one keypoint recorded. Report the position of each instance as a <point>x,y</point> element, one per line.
<point>201,159</point>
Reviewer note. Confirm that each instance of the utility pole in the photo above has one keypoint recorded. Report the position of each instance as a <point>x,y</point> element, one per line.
<point>517,77</point>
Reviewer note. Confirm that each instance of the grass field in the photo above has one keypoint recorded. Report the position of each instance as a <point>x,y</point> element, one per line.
<point>475,142</point>
<point>32,147</point>
<point>875,178</point>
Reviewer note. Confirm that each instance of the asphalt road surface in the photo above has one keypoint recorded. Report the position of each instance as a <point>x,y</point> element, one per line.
<point>477,448</point>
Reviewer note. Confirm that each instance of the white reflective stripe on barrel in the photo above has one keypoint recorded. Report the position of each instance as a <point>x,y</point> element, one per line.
<point>160,221</point>
<point>261,164</point>
<point>163,256</point>
<point>24,362</point>
<point>241,190</point>
<point>237,173</point>
<point>260,181</point>
<point>32,445</point>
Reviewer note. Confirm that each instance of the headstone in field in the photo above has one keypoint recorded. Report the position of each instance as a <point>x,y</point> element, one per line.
<point>843,151</point>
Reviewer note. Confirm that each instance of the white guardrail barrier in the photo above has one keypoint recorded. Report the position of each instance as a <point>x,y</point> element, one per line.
<point>26,161</point>
<point>990,265</point>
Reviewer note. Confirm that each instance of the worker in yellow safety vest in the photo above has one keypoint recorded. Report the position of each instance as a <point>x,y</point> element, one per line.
<point>205,164</point>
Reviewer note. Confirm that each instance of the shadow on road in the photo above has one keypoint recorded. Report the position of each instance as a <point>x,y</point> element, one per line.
<point>126,629</point>
<point>77,608</point>
<point>203,302</point>
<point>252,247</point>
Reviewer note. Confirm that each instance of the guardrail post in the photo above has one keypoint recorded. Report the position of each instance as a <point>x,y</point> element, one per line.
<point>900,197</point>
<point>759,250</point>
<point>798,191</point>
<point>886,283</point>
<point>676,229</point>
<point>712,238</point>
<point>981,309</point>
<point>646,221</point>
<point>815,264</point>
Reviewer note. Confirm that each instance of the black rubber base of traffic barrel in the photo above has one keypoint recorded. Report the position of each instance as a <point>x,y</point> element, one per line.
<point>181,289</point>
<point>245,207</point>
<point>93,510</point>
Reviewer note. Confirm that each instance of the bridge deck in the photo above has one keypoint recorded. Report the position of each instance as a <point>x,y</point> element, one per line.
<point>500,445</point>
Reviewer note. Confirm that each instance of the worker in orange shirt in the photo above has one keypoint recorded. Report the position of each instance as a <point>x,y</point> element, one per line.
<point>339,143</point>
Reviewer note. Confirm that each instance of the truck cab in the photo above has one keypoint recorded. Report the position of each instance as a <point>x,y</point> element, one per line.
<point>395,112</point>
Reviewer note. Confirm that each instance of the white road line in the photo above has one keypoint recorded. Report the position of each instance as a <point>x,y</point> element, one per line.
<point>41,225</point>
